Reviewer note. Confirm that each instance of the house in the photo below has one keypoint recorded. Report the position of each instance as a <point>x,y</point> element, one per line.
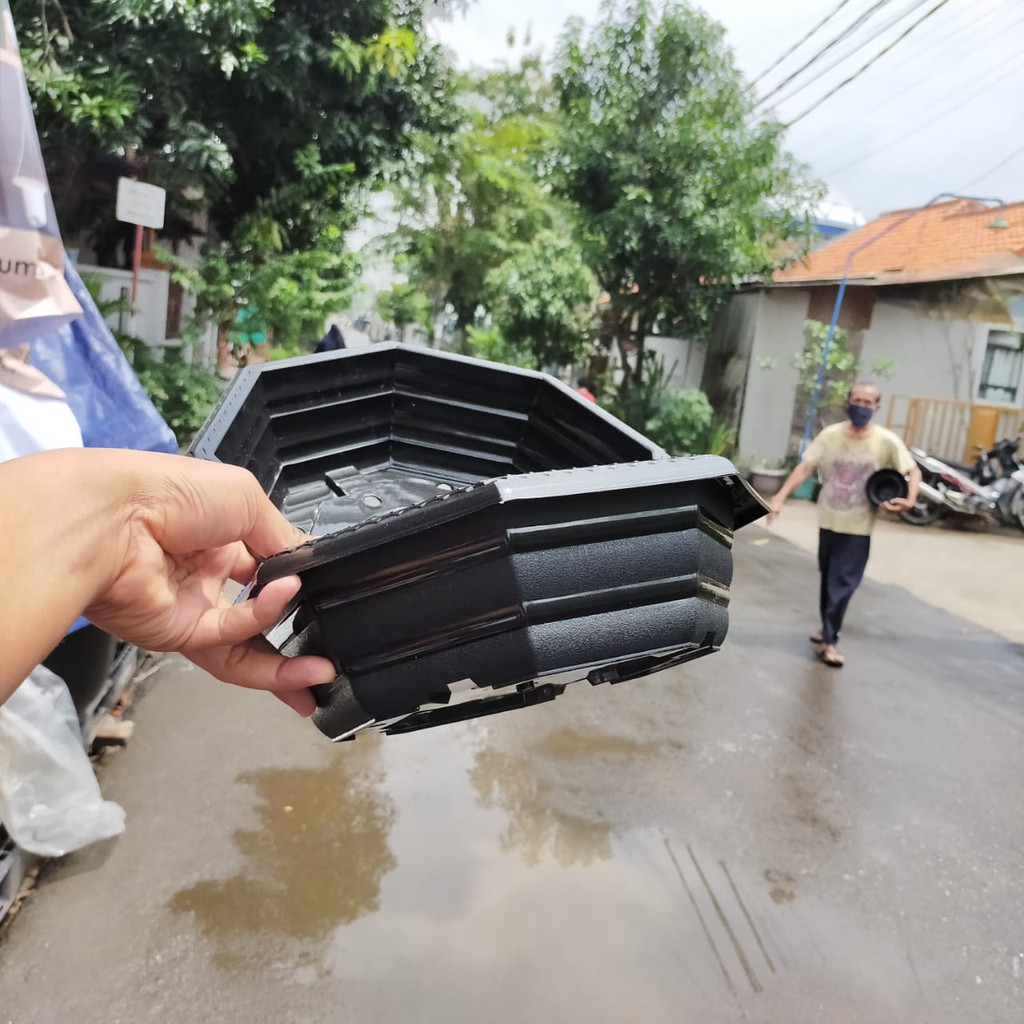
<point>934,308</point>
<point>683,359</point>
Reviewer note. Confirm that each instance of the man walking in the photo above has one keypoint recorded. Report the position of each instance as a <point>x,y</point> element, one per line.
<point>844,456</point>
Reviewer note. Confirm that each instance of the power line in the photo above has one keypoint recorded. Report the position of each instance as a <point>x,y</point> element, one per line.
<point>831,44</point>
<point>877,57</point>
<point>907,87</point>
<point>846,56</point>
<point>800,42</point>
<point>992,170</point>
<point>1006,71</point>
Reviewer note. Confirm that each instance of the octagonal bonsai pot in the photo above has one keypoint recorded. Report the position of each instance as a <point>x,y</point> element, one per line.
<point>479,531</point>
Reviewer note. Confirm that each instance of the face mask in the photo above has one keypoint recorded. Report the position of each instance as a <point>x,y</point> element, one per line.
<point>859,415</point>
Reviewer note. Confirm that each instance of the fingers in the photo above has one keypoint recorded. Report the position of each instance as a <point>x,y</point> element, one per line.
<point>256,665</point>
<point>220,627</point>
<point>196,504</point>
<point>243,566</point>
<point>302,702</point>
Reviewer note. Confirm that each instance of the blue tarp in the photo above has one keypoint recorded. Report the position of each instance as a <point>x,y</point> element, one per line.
<point>108,401</point>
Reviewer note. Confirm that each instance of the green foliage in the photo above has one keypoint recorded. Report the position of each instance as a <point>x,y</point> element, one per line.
<point>476,197</point>
<point>840,367</point>
<point>404,305</point>
<point>640,402</point>
<point>278,352</point>
<point>541,299</point>
<point>488,343</point>
<point>719,439</point>
<point>883,368</point>
<point>680,190</point>
<point>286,295</point>
<point>682,421</point>
<point>220,102</point>
<point>182,393</point>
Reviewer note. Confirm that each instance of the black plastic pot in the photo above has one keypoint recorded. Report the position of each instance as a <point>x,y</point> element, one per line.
<point>479,528</point>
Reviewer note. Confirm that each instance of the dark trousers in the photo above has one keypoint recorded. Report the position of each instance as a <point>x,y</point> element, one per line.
<point>841,559</point>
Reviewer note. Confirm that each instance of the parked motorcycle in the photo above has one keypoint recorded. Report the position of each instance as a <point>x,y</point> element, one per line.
<point>992,492</point>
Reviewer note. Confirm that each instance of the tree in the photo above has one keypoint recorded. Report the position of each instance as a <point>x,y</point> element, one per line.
<point>404,305</point>
<point>474,198</point>
<point>840,367</point>
<point>269,118</point>
<point>541,299</point>
<point>265,113</point>
<point>680,191</point>
<point>284,295</point>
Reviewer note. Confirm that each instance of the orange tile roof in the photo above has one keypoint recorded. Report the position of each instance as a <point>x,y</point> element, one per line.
<point>945,242</point>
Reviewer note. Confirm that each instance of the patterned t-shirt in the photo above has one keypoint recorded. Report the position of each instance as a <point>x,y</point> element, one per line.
<point>844,464</point>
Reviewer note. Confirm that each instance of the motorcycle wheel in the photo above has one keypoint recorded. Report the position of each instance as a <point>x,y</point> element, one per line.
<point>924,513</point>
<point>1017,506</point>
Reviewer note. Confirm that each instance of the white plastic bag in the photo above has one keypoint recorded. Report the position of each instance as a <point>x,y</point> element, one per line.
<point>50,800</point>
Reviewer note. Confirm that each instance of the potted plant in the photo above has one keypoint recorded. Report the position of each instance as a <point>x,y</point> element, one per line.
<point>767,477</point>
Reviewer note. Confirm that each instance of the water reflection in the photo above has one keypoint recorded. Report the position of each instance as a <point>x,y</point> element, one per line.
<point>316,859</point>
<point>535,828</point>
<point>575,745</point>
<point>544,816</point>
<point>808,794</point>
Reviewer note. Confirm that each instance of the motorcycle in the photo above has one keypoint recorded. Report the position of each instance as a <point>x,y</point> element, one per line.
<point>993,492</point>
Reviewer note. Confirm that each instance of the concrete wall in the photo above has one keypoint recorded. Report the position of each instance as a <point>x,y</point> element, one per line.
<point>683,360</point>
<point>935,356</point>
<point>766,411</point>
<point>749,373</point>
<point>149,320</point>
<point>727,357</point>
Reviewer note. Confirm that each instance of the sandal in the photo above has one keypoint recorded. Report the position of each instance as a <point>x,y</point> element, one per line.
<point>816,638</point>
<point>832,660</point>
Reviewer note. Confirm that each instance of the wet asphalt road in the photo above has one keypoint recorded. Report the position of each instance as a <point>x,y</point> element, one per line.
<point>754,837</point>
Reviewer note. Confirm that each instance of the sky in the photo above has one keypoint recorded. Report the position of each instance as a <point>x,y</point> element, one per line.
<point>942,112</point>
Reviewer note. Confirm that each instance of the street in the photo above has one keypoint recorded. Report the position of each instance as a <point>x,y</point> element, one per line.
<point>753,837</point>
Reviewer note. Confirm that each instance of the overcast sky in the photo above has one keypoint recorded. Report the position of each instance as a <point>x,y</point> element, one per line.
<point>937,114</point>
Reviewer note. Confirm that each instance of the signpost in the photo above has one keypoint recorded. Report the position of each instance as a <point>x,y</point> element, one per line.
<point>142,205</point>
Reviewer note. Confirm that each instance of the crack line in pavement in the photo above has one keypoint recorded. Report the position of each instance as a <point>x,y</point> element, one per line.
<point>751,976</point>
<point>700,916</point>
<point>746,914</point>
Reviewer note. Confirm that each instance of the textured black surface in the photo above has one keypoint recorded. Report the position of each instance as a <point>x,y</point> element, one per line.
<point>477,529</point>
<point>393,424</point>
<point>885,484</point>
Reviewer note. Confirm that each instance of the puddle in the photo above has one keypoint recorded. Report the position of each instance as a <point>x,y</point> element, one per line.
<point>536,828</point>
<point>572,745</point>
<point>315,860</point>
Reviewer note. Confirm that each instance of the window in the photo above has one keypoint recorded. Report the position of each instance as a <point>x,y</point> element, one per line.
<point>1001,371</point>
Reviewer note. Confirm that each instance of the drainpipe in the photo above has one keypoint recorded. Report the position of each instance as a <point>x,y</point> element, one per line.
<point>813,411</point>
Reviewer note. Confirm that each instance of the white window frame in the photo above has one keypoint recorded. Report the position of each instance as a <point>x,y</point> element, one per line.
<point>1002,341</point>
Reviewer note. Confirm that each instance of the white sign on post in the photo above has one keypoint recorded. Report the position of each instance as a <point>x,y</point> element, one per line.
<point>138,203</point>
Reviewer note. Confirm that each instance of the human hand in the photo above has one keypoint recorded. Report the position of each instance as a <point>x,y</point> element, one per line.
<point>898,505</point>
<point>188,528</point>
<point>775,508</point>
